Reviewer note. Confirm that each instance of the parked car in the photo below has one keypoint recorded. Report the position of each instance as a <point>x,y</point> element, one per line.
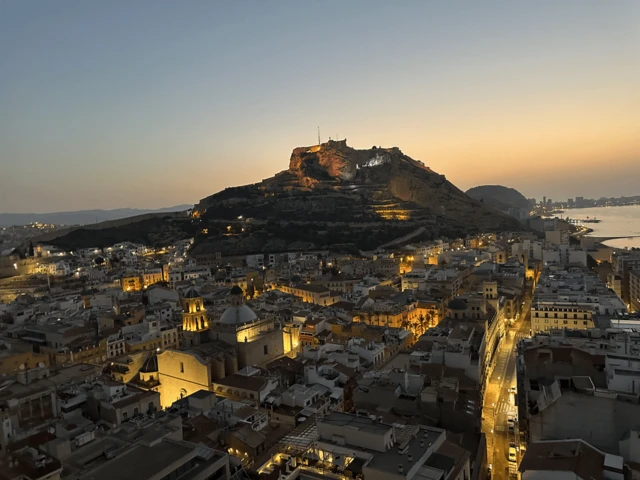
<point>512,454</point>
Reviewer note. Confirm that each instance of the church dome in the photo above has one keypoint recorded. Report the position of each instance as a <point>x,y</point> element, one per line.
<point>238,315</point>
<point>150,365</point>
<point>191,293</point>
<point>457,304</point>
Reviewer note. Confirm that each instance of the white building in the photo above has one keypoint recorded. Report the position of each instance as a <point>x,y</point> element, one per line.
<point>115,345</point>
<point>564,255</point>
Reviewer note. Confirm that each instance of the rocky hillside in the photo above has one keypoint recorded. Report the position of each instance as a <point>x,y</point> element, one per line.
<point>150,229</point>
<point>334,194</point>
<point>499,197</point>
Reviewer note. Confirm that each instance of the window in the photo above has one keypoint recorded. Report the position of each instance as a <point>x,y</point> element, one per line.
<point>181,367</point>
<point>266,349</point>
<point>584,323</point>
<point>575,322</point>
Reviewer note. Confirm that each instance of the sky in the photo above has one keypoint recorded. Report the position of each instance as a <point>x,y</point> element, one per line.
<point>155,103</point>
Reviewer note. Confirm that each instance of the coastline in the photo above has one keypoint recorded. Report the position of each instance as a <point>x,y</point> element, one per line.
<point>601,206</point>
<point>619,227</point>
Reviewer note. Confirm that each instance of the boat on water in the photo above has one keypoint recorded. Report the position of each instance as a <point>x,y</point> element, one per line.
<point>577,221</point>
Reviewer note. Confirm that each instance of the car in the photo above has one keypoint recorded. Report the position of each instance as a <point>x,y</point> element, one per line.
<point>512,454</point>
<point>512,389</point>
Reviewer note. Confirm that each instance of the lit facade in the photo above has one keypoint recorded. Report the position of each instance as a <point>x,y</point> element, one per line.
<point>548,315</point>
<point>194,315</point>
<point>634,290</point>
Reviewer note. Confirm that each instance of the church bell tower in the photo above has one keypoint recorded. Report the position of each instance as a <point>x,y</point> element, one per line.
<point>194,315</point>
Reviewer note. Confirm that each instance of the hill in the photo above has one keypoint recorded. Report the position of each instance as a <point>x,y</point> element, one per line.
<point>334,194</point>
<point>154,229</point>
<point>81,217</point>
<point>499,197</point>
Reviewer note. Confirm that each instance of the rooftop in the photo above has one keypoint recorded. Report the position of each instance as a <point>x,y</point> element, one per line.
<point>357,423</point>
<point>254,383</point>
<point>416,447</point>
<point>575,456</point>
<point>311,288</point>
<point>144,461</point>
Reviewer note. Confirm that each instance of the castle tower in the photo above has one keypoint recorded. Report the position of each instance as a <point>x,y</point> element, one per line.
<point>194,315</point>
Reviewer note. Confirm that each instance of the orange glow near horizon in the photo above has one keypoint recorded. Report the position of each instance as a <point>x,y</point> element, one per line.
<point>164,109</point>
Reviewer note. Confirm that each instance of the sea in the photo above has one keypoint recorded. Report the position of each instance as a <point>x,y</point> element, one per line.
<point>614,222</point>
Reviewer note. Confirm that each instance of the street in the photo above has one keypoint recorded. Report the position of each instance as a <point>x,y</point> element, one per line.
<point>499,402</point>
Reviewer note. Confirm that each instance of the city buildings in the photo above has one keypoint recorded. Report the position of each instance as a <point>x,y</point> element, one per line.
<point>571,298</point>
<point>325,364</point>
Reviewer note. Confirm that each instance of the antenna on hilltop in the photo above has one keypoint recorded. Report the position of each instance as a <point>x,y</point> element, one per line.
<point>319,136</point>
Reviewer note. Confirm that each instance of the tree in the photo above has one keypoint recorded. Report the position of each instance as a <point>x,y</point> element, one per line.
<point>429,319</point>
<point>31,251</point>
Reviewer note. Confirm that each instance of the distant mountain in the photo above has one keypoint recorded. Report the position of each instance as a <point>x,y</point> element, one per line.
<point>499,197</point>
<point>333,194</point>
<point>81,217</point>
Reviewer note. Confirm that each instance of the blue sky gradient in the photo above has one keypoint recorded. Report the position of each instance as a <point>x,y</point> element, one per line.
<point>153,103</point>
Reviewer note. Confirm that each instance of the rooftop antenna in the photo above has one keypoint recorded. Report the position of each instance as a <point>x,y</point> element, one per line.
<point>319,143</point>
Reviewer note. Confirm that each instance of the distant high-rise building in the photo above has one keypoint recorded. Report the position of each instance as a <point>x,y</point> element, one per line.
<point>544,200</point>
<point>579,201</point>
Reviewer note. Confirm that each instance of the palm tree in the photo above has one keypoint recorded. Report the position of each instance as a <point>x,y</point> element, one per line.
<point>421,321</point>
<point>429,319</point>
